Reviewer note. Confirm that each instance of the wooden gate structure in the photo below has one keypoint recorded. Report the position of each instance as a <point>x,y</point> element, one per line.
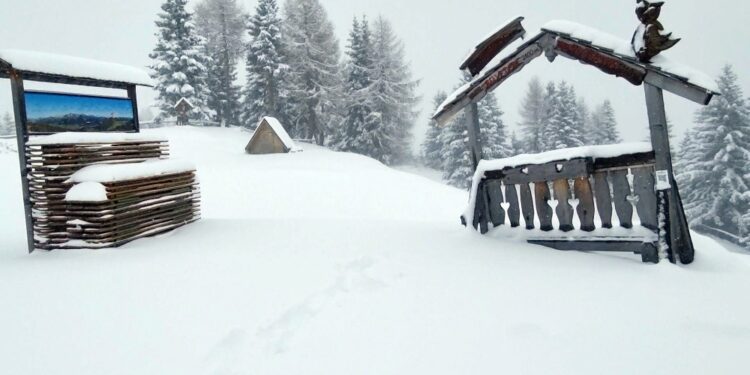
<point>612,56</point>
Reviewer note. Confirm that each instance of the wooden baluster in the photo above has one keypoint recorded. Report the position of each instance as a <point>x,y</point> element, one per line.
<point>541,197</point>
<point>644,188</point>
<point>564,210</point>
<point>483,208</point>
<point>527,206</point>
<point>621,188</point>
<point>497,214</point>
<point>478,206</point>
<point>603,198</point>
<point>585,209</point>
<point>514,211</point>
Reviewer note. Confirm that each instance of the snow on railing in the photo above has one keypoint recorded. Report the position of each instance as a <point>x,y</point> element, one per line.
<point>575,191</point>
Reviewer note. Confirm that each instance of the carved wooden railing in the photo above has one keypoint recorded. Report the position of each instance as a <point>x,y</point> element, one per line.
<point>574,204</point>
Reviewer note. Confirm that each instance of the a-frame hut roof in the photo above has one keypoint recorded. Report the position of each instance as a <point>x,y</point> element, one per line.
<point>610,54</point>
<point>48,67</point>
<point>277,129</point>
<point>183,100</point>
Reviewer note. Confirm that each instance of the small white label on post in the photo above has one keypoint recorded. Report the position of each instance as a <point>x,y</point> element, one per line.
<point>662,180</point>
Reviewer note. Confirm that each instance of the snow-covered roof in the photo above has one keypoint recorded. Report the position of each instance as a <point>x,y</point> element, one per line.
<point>184,100</point>
<point>280,132</point>
<point>610,54</point>
<point>77,137</point>
<point>49,64</point>
<point>623,48</point>
<point>103,173</point>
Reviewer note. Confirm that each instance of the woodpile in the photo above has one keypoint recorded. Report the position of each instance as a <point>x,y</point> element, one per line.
<point>132,208</point>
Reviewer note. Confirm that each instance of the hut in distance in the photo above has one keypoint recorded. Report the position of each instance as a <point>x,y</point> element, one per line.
<point>270,138</point>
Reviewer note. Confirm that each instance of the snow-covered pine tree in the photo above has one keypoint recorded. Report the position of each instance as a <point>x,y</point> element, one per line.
<point>550,98</point>
<point>532,115</point>
<point>357,131</point>
<point>264,91</point>
<point>603,126</point>
<point>493,136</point>
<point>7,124</point>
<point>221,23</point>
<point>392,95</point>
<point>517,146</point>
<point>456,156</point>
<point>432,146</point>
<point>179,66</point>
<point>563,129</point>
<point>714,173</point>
<point>457,166</point>
<point>312,52</point>
<point>584,116</point>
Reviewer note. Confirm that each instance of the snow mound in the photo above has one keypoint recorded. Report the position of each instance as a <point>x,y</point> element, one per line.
<point>324,263</point>
<point>102,173</point>
<point>87,192</point>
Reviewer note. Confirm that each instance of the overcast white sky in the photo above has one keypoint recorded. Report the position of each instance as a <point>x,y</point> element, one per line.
<point>437,34</point>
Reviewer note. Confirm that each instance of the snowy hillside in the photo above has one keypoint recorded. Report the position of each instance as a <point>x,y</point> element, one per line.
<point>328,263</point>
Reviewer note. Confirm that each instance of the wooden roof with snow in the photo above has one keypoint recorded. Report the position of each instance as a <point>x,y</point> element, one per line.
<point>48,67</point>
<point>278,140</point>
<point>589,46</point>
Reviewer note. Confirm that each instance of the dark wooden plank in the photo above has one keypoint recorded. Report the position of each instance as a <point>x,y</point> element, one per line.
<point>514,208</point>
<point>495,195</point>
<point>681,88</point>
<point>568,169</point>
<point>478,206</point>
<point>605,62</point>
<point>647,250</point>
<point>643,188</point>
<point>621,192</point>
<point>473,131</point>
<point>585,209</point>
<point>624,161</point>
<point>490,47</point>
<point>495,76</point>
<point>527,205</point>
<point>541,199</point>
<point>603,198</point>
<point>563,210</point>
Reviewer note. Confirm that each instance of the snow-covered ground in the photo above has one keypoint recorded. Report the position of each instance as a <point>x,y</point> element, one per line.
<point>328,263</point>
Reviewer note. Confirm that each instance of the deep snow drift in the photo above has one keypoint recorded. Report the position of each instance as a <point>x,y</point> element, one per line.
<point>328,263</point>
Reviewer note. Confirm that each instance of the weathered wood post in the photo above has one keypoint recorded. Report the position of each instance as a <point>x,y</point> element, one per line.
<point>22,137</point>
<point>673,230</point>
<point>472,126</point>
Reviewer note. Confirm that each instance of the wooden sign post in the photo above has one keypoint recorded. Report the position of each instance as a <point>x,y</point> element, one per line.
<point>673,229</point>
<point>22,136</point>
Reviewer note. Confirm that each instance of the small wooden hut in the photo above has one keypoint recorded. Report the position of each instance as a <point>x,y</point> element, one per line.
<point>270,138</point>
<point>182,109</point>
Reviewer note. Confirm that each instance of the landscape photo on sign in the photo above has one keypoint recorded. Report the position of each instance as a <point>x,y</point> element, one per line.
<point>48,112</point>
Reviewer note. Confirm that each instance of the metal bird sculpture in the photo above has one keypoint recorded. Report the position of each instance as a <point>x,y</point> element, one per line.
<point>650,38</point>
